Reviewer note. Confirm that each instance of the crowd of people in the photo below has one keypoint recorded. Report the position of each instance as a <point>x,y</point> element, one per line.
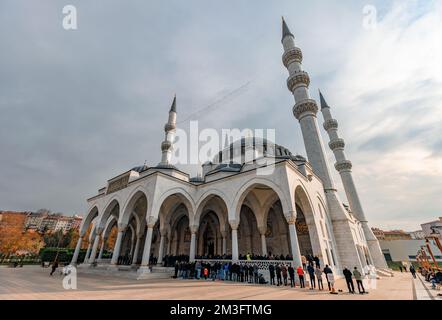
<point>433,276</point>
<point>281,274</point>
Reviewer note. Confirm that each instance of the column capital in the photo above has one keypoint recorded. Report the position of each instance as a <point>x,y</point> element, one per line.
<point>262,230</point>
<point>234,224</point>
<point>122,227</point>
<point>151,220</point>
<point>194,228</point>
<point>224,233</point>
<point>290,217</point>
<point>99,231</point>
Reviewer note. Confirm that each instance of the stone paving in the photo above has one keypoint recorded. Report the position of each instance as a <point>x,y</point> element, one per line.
<point>32,282</point>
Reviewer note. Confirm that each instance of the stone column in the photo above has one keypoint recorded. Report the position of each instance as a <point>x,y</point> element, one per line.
<point>148,243</point>
<point>193,230</point>
<point>95,247</point>
<point>77,250</point>
<point>262,231</point>
<point>121,229</point>
<point>103,245</point>
<point>291,220</point>
<point>235,254</point>
<point>88,251</point>
<point>224,248</point>
<point>137,249</point>
<point>161,251</point>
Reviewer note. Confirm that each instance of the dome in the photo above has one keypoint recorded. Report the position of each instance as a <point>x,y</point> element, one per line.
<point>140,169</point>
<point>255,147</point>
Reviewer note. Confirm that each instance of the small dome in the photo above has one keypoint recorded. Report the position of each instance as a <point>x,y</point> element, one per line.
<point>140,169</point>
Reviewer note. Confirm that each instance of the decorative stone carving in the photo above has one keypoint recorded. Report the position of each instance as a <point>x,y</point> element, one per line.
<point>343,165</point>
<point>99,230</point>
<point>122,227</point>
<point>337,144</point>
<point>299,78</point>
<point>169,127</point>
<point>194,228</point>
<point>118,184</point>
<point>293,55</point>
<point>166,145</point>
<point>290,218</point>
<point>304,106</point>
<point>234,224</point>
<point>330,124</point>
<point>151,220</point>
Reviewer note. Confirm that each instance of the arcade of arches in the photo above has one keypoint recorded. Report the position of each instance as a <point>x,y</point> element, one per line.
<point>261,230</point>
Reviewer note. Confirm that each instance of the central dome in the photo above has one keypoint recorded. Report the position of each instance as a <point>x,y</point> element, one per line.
<point>250,148</point>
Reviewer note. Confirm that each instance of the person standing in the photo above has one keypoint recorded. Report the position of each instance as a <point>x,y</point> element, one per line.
<point>317,262</point>
<point>311,274</point>
<point>300,273</point>
<point>304,262</point>
<point>284,274</point>
<point>318,274</point>
<point>278,275</point>
<point>349,279</point>
<point>272,274</point>
<point>328,270</point>
<point>291,271</point>
<point>331,282</point>
<point>358,277</point>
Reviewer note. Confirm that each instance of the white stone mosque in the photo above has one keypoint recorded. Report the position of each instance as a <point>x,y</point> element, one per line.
<point>232,209</point>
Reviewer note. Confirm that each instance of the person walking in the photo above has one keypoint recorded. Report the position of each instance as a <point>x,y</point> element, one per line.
<point>311,274</point>
<point>413,271</point>
<point>318,274</point>
<point>291,272</point>
<point>349,279</point>
<point>272,274</point>
<point>358,277</point>
<point>304,262</point>
<point>284,274</point>
<point>300,273</point>
<point>54,267</point>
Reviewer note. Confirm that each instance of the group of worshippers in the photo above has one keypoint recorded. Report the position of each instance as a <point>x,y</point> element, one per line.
<point>227,271</point>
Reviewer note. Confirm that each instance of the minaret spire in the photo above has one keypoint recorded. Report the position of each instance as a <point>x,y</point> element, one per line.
<point>169,130</point>
<point>285,30</point>
<point>344,166</point>
<point>305,111</point>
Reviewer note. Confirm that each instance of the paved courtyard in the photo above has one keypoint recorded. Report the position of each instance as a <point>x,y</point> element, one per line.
<point>32,282</point>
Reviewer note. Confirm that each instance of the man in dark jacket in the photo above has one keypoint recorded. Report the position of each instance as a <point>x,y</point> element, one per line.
<point>272,274</point>
<point>327,270</point>
<point>278,274</point>
<point>291,271</point>
<point>349,279</point>
<point>311,274</point>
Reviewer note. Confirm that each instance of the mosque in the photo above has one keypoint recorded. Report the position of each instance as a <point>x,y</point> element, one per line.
<point>233,209</point>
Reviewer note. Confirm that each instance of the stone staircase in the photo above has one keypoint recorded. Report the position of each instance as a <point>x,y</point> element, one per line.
<point>384,272</point>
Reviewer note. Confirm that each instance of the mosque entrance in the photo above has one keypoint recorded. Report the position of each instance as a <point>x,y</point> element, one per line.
<point>305,245</point>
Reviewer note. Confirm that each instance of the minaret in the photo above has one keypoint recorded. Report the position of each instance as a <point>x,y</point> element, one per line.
<point>305,110</point>
<point>344,166</point>
<point>167,144</point>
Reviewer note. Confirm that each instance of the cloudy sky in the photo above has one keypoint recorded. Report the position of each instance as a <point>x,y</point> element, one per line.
<point>81,106</point>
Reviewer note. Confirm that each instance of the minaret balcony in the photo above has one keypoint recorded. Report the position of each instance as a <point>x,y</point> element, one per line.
<point>337,144</point>
<point>345,165</point>
<point>304,107</point>
<point>293,55</point>
<point>330,124</point>
<point>166,145</point>
<point>300,78</point>
<point>169,127</point>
